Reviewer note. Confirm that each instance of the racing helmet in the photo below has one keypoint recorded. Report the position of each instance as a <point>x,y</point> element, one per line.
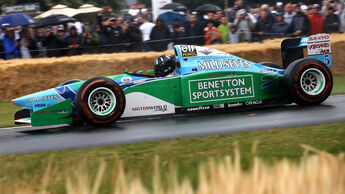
<point>164,65</point>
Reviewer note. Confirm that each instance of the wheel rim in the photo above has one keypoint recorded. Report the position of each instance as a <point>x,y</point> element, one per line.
<point>102,101</point>
<point>313,81</point>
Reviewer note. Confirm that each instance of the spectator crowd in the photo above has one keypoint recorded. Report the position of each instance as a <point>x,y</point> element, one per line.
<point>240,23</point>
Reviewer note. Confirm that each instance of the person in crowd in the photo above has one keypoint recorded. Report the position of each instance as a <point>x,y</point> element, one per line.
<point>11,45</point>
<point>39,38</point>
<point>114,35</point>
<point>102,36</point>
<point>332,22</point>
<point>223,29</point>
<point>132,38</point>
<point>280,28</point>
<point>90,41</point>
<point>102,23</point>
<point>244,25</point>
<point>211,17</point>
<point>342,19</point>
<point>254,14</point>
<point>178,34</point>
<point>238,5</point>
<point>305,9</point>
<point>193,31</point>
<point>231,14</point>
<point>300,23</point>
<point>159,36</point>
<point>218,16</point>
<point>330,3</point>
<point>233,35</point>
<point>288,13</point>
<point>263,26</point>
<point>119,21</point>
<point>138,22</point>
<point>61,41</point>
<point>146,29</point>
<point>187,15</point>
<point>73,41</point>
<point>316,20</point>
<point>265,7</point>
<point>176,22</point>
<point>279,7</point>
<point>51,44</point>
<point>212,35</point>
<point>27,45</point>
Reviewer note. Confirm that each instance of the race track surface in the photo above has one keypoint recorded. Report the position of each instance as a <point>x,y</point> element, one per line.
<point>36,139</point>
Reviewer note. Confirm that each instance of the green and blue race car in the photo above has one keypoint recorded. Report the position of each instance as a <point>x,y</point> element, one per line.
<point>195,79</point>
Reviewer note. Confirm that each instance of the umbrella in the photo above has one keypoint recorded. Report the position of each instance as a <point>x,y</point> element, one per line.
<point>59,9</point>
<point>88,8</point>
<point>208,8</point>
<point>168,17</point>
<point>15,19</point>
<point>52,20</point>
<point>175,6</point>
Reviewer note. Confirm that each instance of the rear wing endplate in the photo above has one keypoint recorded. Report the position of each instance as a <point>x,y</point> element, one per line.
<point>318,47</point>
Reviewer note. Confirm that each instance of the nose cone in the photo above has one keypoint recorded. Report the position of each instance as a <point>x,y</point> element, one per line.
<point>21,102</point>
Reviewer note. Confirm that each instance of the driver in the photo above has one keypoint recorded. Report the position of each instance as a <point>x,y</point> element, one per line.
<point>164,65</point>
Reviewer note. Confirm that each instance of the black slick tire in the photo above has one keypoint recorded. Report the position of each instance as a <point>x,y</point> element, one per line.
<point>93,104</point>
<point>308,81</point>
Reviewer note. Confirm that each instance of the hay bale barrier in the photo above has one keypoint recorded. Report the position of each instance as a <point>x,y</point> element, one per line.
<point>24,76</point>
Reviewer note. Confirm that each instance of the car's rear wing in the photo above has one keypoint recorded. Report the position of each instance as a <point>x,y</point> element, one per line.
<point>318,47</point>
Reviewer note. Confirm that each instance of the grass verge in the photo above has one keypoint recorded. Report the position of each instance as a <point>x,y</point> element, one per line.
<point>7,110</point>
<point>185,153</point>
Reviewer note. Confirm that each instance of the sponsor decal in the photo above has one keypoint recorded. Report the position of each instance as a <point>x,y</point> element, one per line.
<point>218,106</point>
<point>162,108</point>
<point>225,63</point>
<point>59,112</point>
<point>198,108</point>
<point>206,51</point>
<point>126,79</point>
<point>253,102</point>
<point>42,98</point>
<point>234,105</point>
<point>62,112</point>
<point>40,105</point>
<point>44,111</point>
<point>319,48</point>
<point>188,51</point>
<point>319,37</point>
<point>319,44</point>
<point>225,88</point>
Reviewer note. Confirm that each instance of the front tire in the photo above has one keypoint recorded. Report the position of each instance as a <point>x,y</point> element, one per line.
<point>308,81</point>
<point>100,101</point>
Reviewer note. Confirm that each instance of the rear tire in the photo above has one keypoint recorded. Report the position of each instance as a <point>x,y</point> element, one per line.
<point>100,101</point>
<point>308,81</point>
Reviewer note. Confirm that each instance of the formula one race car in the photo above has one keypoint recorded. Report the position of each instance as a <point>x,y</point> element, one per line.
<point>196,79</point>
